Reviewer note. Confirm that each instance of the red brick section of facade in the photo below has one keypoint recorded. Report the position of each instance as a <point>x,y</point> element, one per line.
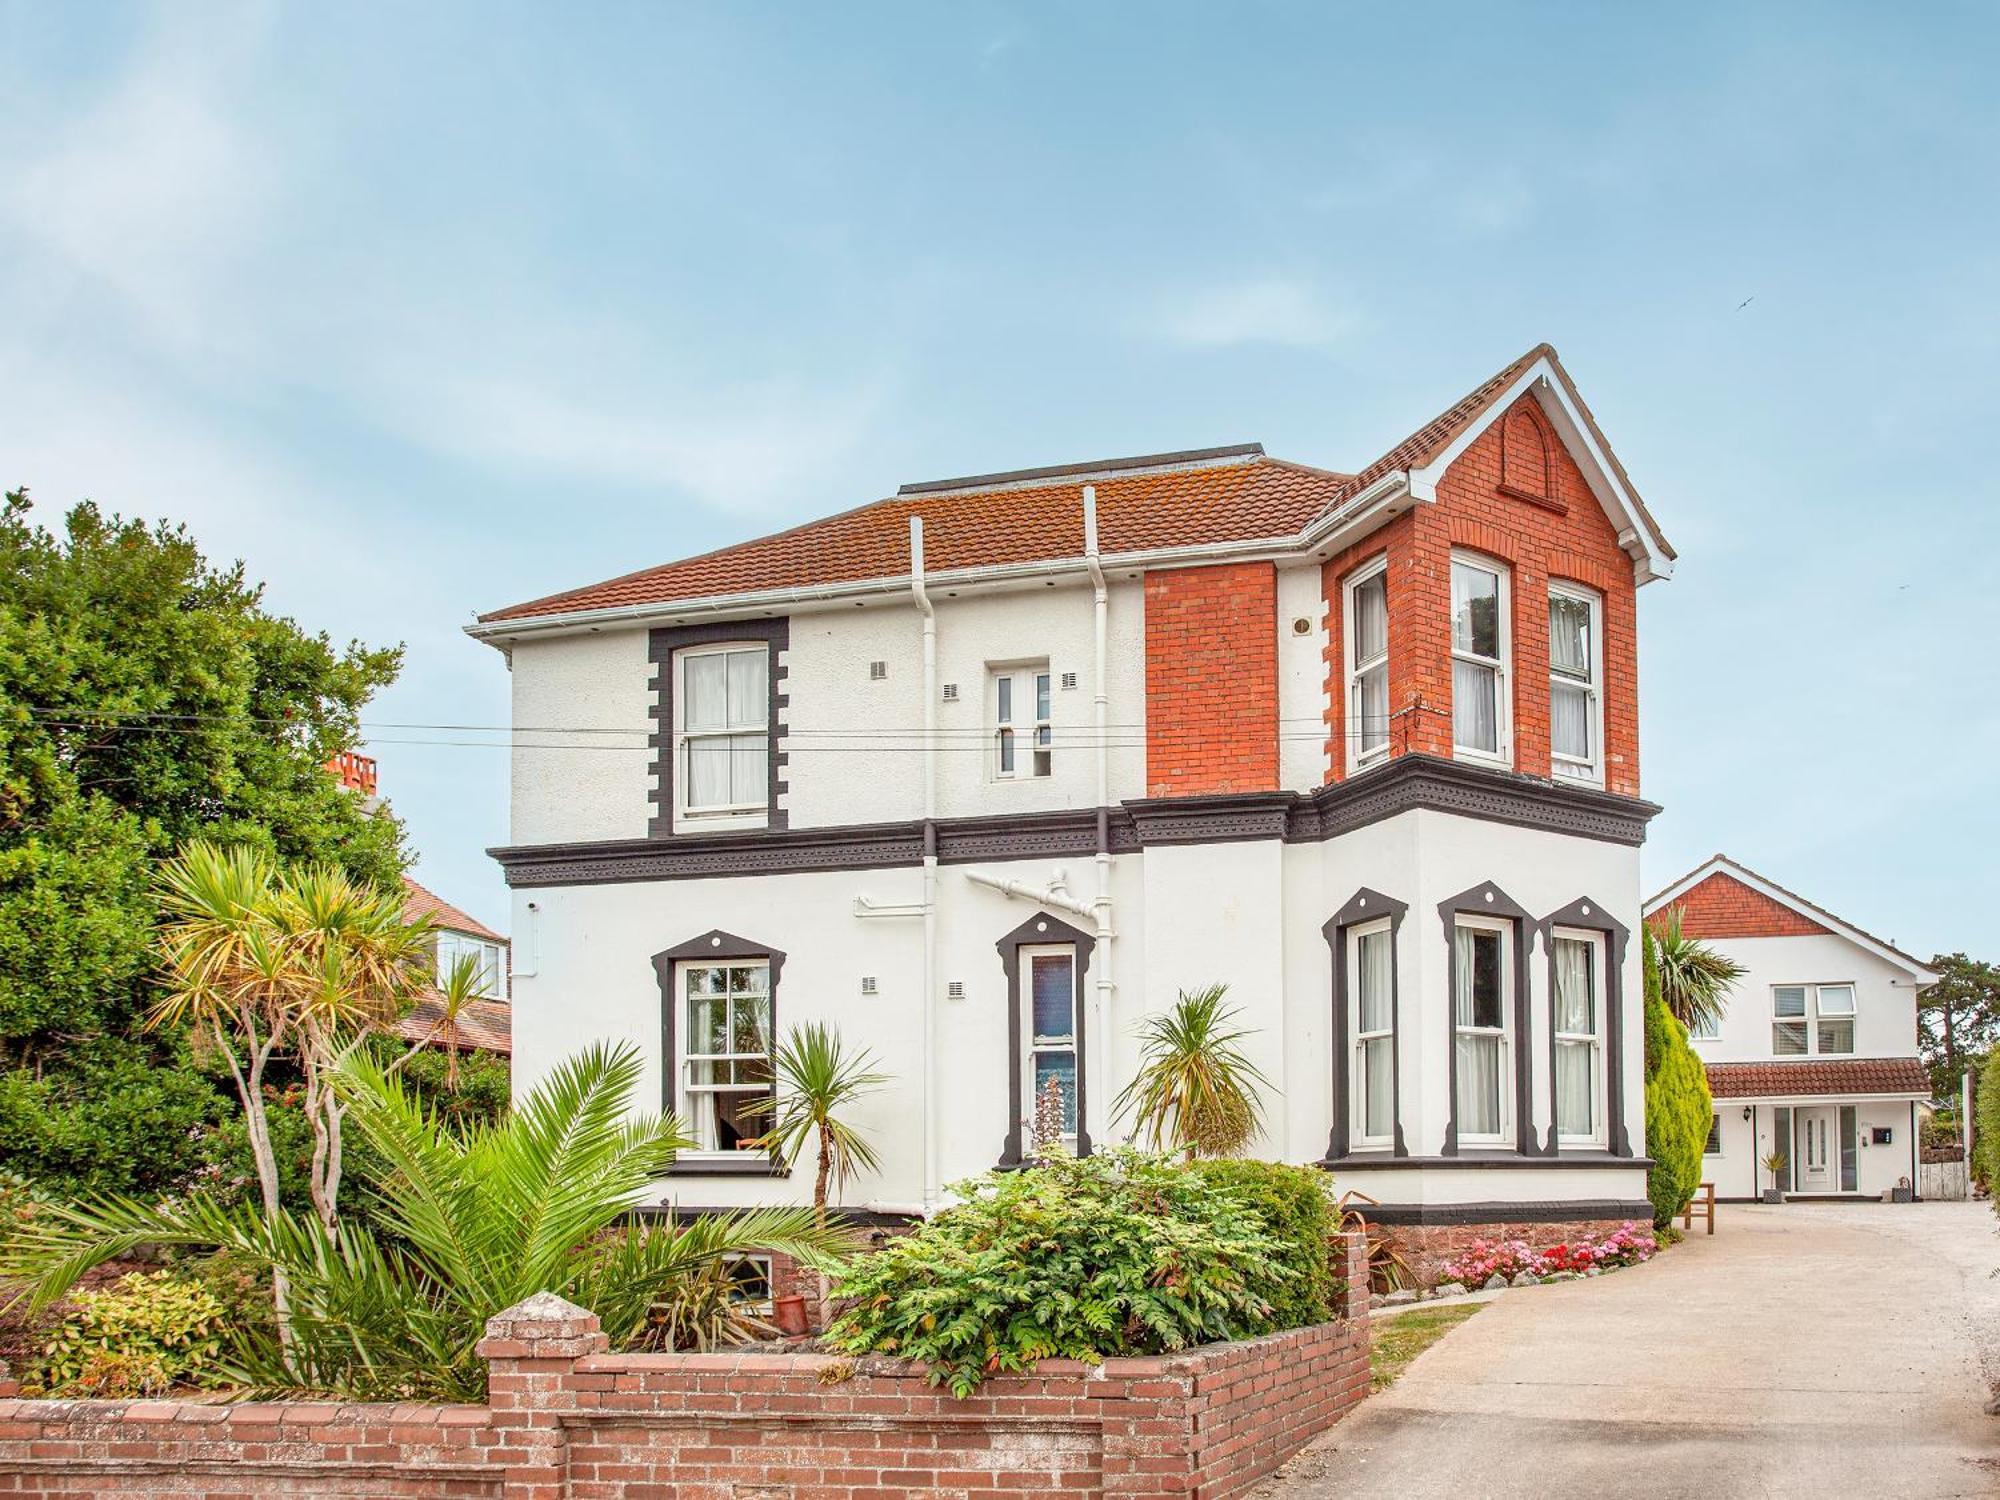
<point>1724,907</point>
<point>566,1420</point>
<point>1488,502</point>
<point>1425,1248</point>
<point>1212,680</point>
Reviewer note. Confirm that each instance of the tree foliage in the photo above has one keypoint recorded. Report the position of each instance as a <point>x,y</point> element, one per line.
<point>819,1081</point>
<point>1958,1019</point>
<point>1695,978</point>
<point>1195,1091</point>
<point>146,697</point>
<point>1986,1123</point>
<point>1678,1106</point>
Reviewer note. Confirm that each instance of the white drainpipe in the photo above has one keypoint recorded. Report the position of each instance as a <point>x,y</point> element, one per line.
<point>1053,894</point>
<point>1100,1018</point>
<point>929,1090</point>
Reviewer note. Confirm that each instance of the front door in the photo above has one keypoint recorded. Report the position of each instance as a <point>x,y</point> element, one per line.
<point>1815,1147</point>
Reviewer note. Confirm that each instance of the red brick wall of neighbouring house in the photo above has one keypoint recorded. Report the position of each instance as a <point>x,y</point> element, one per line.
<point>1212,680</point>
<point>566,1420</point>
<point>1724,907</point>
<point>1488,502</point>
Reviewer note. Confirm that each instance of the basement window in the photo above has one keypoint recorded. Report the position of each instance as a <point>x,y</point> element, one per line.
<point>1023,740</point>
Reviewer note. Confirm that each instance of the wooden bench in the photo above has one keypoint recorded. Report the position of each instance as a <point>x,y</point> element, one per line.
<point>1703,1203</point>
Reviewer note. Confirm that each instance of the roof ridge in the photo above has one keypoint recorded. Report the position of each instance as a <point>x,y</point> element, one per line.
<point>1031,478</point>
<point>1719,858</point>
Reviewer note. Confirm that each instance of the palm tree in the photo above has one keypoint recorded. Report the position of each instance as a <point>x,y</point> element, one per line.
<point>1195,1091</point>
<point>457,988</point>
<point>818,1080</point>
<point>470,1223</point>
<point>1694,978</point>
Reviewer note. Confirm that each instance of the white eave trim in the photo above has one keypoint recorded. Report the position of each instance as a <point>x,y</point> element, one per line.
<point>1733,1100</point>
<point>1641,543</point>
<point>1721,864</point>
<point>1328,532</point>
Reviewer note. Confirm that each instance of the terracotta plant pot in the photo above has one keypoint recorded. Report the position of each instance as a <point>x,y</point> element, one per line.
<point>791,1316</point>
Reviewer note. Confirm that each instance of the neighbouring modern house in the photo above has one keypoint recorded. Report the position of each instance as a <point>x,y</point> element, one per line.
<point>987,771</point>
<point>484,1024</point>
<point>1816,1057</point>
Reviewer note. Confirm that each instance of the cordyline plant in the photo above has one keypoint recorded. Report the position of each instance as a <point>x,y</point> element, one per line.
<point>818,1080</point>
<point>469,1224</point>
<point>1195,1091</point>
<point>1695,979</point>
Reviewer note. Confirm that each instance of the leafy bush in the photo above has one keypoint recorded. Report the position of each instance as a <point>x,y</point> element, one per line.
<point>1677,1103</point>
<point>1986,1123</point>
<point>1118,1253</point>
<point>137,1337</point>
<point>1298,1210</point>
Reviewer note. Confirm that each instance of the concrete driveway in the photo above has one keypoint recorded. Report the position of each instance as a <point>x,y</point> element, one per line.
<point>1813,1349</point>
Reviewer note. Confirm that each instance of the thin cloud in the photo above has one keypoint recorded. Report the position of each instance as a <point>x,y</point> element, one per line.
<point>1271,310</point>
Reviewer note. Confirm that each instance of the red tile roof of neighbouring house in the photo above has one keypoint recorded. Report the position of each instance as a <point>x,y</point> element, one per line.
<point>419,902</point>
<point>1159,501</point>
<point>1817,1076</point>
<point>482,1025</point>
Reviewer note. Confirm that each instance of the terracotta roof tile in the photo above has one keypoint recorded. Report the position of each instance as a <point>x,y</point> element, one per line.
<point>483,1025</point>
<point>419,902</point>
<point>1810,1077</point>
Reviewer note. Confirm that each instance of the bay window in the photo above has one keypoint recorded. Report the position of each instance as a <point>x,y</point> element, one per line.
<point>1480,719</point>
<point>1481,982</point>
<point>1371,975</point>
<point>1367,637</point>
<point>1578,1030</point>
<point>722,721</point>
<point>1575,672</point>
<point>727,1060</point>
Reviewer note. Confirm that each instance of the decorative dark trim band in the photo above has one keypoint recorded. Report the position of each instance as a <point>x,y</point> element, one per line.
<point>1426,1215</point>
<point>1039,931</point>
<point>1407,783</point>
<point>760,1164</point>
<point>1506,1162</point>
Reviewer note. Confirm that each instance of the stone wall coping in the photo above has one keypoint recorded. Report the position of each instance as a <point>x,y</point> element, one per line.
<point>245,1413</point>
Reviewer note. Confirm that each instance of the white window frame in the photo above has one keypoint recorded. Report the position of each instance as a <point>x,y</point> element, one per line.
<point>1714,1134</point>
<point>1030,703</point>
<point>1814,1014</point>
<point>1502,667</point>
<point>684,806</point>
<point>1591,767</point>
<point>685,1089</point>
<point>1360,754</point>
<point>1713,1032</point>
<point>490,956</point>
<point>755,1307</point>
<point>1358,1074</point>
<point>1594,1038</point>
<point>1504,1069</point>
<point>1031,1044</point>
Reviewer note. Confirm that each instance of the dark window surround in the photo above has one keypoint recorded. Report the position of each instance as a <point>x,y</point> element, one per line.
<point>1586,915</point>
<point>1365,906</point>
<point>1043,931</point>
<point>661,644</point>
<point>1487,900</point>
<point>710,946</point>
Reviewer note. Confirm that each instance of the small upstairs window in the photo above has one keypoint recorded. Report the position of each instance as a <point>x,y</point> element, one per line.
<point>722,718</point>
<point>1576,716</point>
<point>1023,740</point>
<point>1834,1029</point>
<point>1368,665</point>
<point>1480,727</point>
<point>1812,1018</point>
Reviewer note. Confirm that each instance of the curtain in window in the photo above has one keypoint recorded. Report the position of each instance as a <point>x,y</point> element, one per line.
<point>1569,636</point>
<point>1478,1056</point>
<point>1569,721</point>
<point>1475,705</point>
<point>1373,1014</point>
<point>749,690</point>
<point>1371,619</point>
<point>1576,1094</point>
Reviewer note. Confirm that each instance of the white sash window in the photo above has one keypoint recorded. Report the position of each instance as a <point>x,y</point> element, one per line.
<point>1371,980</point>
<point>1481,722</point>
<point>1368,665</point>
<point>1576,703</point>
<point>1578,1028</point>
<point>722,721</point>
<point>1482,991</point>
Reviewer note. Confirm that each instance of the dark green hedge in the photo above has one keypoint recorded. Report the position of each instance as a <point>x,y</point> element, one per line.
<point>1298,1210</point>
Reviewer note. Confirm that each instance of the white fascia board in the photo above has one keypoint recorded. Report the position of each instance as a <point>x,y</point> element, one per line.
<point>1355,518</point>
<point>1810,1099</point>
<point>1649,558</point>
<point>1723,865</point>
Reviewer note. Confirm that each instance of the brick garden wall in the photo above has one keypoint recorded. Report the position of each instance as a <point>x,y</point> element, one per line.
<point>566,1420</point>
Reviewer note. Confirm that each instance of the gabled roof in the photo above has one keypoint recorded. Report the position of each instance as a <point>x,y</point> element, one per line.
<point>483,1025</point>
<point>1149,505</point>
<point>1722,864</point>
<point>419,902</point>
<point>1819,1077</point>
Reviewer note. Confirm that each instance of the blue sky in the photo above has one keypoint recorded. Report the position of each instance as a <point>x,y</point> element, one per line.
<point>426,310</point>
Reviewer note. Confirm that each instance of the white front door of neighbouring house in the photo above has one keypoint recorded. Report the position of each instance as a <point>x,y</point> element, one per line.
<point>1818,1138</point>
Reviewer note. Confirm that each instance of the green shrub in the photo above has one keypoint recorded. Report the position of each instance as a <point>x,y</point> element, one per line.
<point>1119,1253</point>
<point>1986,1123</point>
<point>1677,1104</point>
<point>1299,1211</point>
<point>137,1337</point>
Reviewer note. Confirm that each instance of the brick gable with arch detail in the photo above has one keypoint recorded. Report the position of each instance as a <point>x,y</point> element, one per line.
<point>1724,907</point>
<point>1518,496</point>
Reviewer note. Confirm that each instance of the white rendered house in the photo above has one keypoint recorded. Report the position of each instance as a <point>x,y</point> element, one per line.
<point>1816,1058</point>
<point>987,771</point>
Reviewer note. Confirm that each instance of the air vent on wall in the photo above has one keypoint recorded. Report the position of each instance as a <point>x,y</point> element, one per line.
<point>877,670</point>
<point>867,984</point>
<point>1069,682</point>
<point>951,692</point>
<point>954,989</point>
